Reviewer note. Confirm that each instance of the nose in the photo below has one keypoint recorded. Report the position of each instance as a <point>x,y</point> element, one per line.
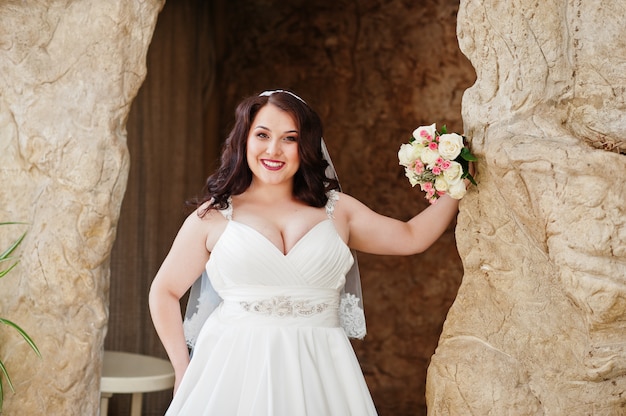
<point>273,147</point>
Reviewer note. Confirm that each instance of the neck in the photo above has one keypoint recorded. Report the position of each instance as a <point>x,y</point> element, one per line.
<point>278,192</point>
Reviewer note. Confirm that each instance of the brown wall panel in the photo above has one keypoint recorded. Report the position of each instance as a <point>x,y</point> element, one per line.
<point>171,149</point>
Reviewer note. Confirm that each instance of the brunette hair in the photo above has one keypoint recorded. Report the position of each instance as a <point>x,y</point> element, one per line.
<point>234,176</point>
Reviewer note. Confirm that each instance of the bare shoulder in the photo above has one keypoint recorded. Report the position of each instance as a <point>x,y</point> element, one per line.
<point>205,218</point>
<point>204,225</point>
<point>348,210</point>
<point>346,205</point>
<point>213,223</point>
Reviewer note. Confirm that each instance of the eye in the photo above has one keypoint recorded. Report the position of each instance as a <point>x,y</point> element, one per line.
<point>262,135</point>
<point>291,138</point>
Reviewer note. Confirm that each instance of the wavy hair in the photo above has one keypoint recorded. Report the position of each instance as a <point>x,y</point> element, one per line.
<point>234,176</point>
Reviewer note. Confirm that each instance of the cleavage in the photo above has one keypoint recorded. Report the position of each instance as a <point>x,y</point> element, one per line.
<point>277,236</point>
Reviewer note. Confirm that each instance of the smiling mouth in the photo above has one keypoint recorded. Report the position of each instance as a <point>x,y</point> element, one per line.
<point>272,164</point>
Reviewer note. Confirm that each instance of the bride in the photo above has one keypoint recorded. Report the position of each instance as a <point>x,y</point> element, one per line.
<point>273,236</point>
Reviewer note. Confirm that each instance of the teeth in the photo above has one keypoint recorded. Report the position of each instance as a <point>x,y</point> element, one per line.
<point>272,164</point>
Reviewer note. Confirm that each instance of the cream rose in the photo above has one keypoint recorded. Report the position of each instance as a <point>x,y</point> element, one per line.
<point>441,184</point>
<point>453,173</point>
<point>429,156</point>
<point>410,174</point>
<point>408,153</point>
<point>457,190</point>
<point>450,145</point>
<point>424,132</point>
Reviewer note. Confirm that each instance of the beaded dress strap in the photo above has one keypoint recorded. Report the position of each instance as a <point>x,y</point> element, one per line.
<point>228,212</point>
<point>333,197</point>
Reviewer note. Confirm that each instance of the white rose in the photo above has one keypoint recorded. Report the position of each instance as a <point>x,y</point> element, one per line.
<point>411,175</point>
<point>450,145</point>
<point>429,156</point>
<point>422,132</point>
<point>457,190</point>
<point>408,153</point>
<point>441,184</point>
<point>453,173</point>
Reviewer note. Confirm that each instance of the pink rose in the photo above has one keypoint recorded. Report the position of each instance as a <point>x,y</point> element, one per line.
<point>425,132</point>
<point>419,167</point>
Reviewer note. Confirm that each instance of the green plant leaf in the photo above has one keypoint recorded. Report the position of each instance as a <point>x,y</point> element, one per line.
<point>465,165</point>
<point>12,248</point>
<point>444,129</point>
<point>6,375</point>
<point>7,270</point>
<point>4,257</point>
<point>1,391</point>
<point>6,254</point>
<point>24,335</point>
<point>470,177</point>
<point>7,259</point>
<point>9,382</point>
<point>467,155</point>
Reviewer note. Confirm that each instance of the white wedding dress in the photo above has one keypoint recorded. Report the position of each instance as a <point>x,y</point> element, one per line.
<point>274,346</point>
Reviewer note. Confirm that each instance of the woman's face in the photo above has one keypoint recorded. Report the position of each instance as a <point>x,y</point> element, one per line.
<point>272,146</point>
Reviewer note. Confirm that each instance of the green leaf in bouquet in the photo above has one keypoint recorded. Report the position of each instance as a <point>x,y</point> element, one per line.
<point>444,129</point>
<point>467,155</point>
<point>470,177</point>
<point>465,165</point>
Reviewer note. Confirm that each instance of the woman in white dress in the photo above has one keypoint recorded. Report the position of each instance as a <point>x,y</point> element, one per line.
<point>274,234</point>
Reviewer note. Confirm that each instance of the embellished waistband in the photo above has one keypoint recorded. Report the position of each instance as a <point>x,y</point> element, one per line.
<point>282,306</point>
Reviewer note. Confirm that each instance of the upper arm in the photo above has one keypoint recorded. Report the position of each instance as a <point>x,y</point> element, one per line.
<point>374,233</point>
<point>188,255</point>
<point>369,231</point>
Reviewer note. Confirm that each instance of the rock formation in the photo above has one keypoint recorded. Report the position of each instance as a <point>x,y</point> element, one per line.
<point>538,325</point>
<point>68,74</point>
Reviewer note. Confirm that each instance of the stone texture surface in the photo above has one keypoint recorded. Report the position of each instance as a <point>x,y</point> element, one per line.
<point>538,326</point>
<point>68,73</point>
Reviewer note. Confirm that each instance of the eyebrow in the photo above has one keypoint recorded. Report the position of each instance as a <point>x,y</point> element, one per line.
<point>268,129</point>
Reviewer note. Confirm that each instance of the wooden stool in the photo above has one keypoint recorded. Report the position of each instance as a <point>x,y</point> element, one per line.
<point>124,372</point>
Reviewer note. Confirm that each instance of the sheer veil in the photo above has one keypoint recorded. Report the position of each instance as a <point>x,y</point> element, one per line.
<point>203,299</point>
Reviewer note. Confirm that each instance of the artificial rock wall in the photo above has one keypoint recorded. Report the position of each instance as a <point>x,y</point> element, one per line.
<point>68,74</point>
<point>539,323</point>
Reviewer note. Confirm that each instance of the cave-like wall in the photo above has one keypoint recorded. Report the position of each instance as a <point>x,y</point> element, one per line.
<point>68,74</point>
<point>538,327</point>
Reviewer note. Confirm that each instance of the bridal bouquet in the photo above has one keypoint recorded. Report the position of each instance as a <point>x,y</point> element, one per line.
<point>438,161</point>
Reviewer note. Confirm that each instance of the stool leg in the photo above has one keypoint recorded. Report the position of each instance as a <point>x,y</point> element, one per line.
<point>135,404</point>
<point>104,403</point>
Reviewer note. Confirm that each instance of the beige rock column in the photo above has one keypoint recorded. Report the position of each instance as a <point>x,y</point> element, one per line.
<point>69,71</point>
<point>539,324</point>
